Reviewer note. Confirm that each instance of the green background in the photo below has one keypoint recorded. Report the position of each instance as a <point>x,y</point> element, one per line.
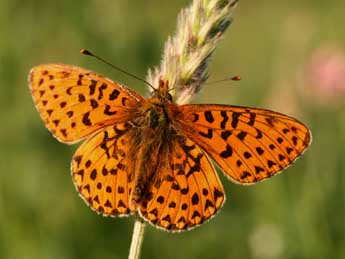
<point>298,214</point>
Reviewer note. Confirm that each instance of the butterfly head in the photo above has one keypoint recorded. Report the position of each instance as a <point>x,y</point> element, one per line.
<point>162,92</point>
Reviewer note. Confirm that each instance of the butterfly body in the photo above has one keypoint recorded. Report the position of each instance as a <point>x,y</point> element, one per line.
<point>152,156</point>
<point>151,129</point>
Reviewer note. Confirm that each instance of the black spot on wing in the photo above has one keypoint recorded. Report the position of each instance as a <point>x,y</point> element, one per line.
<point>209,134</point>
<point>100,90</point>
<point>196,117</point>
<point>107,110</point>
<point>92,86</point>
<point>225,119</point>
<point>225,134</point>
<point>252,119</point>
<point>242,135</point>
<point>86,119</point>
<point>235,116</point>
<point>208,116</point>
<point>227,152</point>
<point>115,93</point>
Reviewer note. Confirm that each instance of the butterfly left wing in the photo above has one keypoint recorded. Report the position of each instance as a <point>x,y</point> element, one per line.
<point>185,191</point>
<point>248,144</point>
<point>74,102</point>
<point>100,171</point>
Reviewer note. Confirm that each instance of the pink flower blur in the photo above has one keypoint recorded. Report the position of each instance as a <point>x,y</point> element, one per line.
<point>325,74</point>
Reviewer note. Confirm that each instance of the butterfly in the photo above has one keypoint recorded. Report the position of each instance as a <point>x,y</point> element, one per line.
<point>152,157</point>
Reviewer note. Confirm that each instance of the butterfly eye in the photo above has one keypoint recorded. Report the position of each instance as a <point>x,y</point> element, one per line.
<point>169,97</point>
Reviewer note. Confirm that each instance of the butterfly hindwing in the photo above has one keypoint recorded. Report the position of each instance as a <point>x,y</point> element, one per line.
<point>186,190</point>
<point>74,102</point>
<point>248,144</point>
<point>100,171</point>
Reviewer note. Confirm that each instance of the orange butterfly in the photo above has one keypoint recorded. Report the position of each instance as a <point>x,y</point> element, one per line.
<point>151,156</point>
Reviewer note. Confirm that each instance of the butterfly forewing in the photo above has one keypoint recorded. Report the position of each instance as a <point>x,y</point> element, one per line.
<point>74,102</point>
<point>186,190</point>
<point>248,144</point>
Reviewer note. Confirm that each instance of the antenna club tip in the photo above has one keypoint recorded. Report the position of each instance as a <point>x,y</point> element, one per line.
<point>236,78</point>
<point>85,52</point>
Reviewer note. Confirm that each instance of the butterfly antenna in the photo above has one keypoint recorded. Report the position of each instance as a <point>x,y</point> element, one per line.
<point>89,53</point>
<point>231,78</point>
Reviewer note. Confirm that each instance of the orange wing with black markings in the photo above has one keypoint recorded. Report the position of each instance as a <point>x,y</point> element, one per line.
<point>74,102</point>
<point>100,171</point>
<point>248,144</point>
<point>152,157</point>
<point>186,190</point>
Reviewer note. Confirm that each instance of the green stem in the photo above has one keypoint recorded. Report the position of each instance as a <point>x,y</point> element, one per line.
<point>137,238</point>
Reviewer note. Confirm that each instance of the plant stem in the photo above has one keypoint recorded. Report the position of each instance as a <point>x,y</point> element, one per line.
<point>137,238</point>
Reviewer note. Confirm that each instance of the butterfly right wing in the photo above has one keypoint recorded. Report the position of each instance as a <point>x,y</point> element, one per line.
<point>248,144</point>
<point>74,102</point>
<point>100,171</point>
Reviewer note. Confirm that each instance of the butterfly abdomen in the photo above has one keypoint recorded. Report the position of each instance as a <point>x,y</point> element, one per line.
<point>145,166</point>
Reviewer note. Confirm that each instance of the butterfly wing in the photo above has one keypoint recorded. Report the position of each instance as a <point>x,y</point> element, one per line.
<point>74,102</point>
<point>248,144</point>
<point>100,171</point>
<point>186,190</point>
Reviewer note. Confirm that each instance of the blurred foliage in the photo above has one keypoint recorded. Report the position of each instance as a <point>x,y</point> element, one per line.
<point>299,214</point>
